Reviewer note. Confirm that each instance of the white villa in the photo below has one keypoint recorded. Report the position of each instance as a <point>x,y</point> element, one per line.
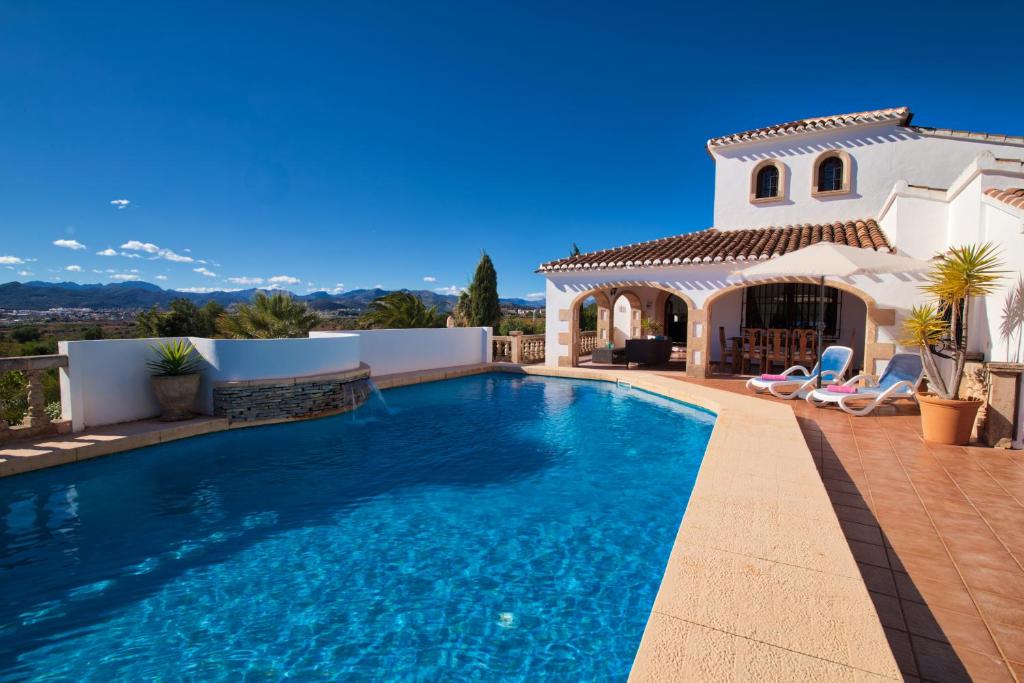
<point>869,179</point>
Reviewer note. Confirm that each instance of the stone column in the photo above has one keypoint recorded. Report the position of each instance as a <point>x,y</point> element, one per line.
<point>517,346</point>
<point>697,346</point>
<point>36,416</point>
<point>1004,393</point>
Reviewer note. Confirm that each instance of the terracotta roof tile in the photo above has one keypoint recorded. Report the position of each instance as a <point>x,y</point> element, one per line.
<point>1014,196</point>
<point>900,114</point>
<point>712,246</point>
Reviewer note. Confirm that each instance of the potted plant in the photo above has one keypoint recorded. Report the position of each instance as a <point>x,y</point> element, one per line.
<point>651,328</point>
<point>939,330</point>
<point>175,378</point>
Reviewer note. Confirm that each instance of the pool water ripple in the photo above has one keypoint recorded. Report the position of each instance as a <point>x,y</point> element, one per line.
<point>492,527</point>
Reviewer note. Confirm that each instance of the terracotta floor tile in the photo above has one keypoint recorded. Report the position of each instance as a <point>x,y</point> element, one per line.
<point>983,551</point>
<point>899,641</point>
<point>1007,584</point>
<point>869,553</point>
<point>996,609</point>
<point>937,661</point>
<point>889,611</point>
<point>941,511</point>
<point>1011,641</point>
<point>878,579</point>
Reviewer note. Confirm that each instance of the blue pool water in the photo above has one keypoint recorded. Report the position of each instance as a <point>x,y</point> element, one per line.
<point>487,528</point>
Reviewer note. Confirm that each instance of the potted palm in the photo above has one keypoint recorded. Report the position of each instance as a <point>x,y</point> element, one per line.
<point>175,378</point>
<point>940,330</point>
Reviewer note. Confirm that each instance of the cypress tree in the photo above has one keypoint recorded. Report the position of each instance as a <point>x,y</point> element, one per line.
<point>484,308</point>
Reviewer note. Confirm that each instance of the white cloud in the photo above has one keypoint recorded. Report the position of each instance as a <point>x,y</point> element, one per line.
<point>124,276</point>
<point>283,280</point>
<point>203,290</point>
<point>136,245</point>
<point>204,272</point>
<point>244,280</point>
<point>128,254</point>
<point>69,244</point>
<point>337,289</point>
<point>429,278</point>
<point>24,273</point>
<point>534,296</point>
<point>378,286</point>
<point>155,251</point>
<point>107,252</point>
<point>11,260</point>
<point>120,203</point>
<point>74,269</point>
<point>169,255</point>
<point>161,277</point>
<point>453,290</point>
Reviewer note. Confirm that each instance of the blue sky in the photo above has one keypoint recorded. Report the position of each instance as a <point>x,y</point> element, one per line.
<point>346,145</point>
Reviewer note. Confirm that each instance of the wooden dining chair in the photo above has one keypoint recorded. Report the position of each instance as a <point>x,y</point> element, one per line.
<point>801,348</point>
<point>730,352</point>
<point>776,348</point>
<point>753,348</point>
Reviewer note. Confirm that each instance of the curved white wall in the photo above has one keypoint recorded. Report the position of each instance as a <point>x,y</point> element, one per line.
<point>391,351</point>
<point>107,381</point>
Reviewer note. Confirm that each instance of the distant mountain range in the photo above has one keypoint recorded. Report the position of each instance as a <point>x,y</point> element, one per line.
<point>38,296</point>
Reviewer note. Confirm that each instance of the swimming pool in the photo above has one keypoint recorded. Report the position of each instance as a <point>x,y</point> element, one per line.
<point>489,527</point>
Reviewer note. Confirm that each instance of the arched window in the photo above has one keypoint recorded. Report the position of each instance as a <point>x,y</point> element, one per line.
<point>830,175</point>
<point>767,183</point>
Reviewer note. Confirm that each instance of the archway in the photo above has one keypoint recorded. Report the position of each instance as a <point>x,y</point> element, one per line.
<point>582,342</point>
<point>674,318</point>
<point>852,317</point>
<point>645,298</point>
<point>627,317</point>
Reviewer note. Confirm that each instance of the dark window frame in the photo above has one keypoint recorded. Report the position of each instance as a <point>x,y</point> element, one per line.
<point>766,187</point>
<point>790,306</point>
<point>830,174</point>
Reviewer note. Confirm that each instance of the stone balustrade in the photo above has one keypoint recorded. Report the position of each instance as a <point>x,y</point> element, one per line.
<point>36,421</point>
<point>588,342</point>
<point>517,347</point>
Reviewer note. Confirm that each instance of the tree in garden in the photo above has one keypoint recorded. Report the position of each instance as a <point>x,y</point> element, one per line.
<point>184,319</point>
<point>400,310</point>
<point>575,251</point>
<point>484,307</point>
<point>269,316</point>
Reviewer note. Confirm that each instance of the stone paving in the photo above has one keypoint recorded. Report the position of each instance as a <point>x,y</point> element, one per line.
<point>938,534</point>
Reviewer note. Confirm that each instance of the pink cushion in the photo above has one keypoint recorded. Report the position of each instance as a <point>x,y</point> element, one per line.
<point>840,389</point>
<point>773,378</point>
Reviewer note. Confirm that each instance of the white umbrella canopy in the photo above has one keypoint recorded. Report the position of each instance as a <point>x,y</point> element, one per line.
<point>837,260</point>
<point>827,259</point>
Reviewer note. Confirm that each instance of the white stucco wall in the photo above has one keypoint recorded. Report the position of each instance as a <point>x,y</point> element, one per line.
<point>701,282</point>
<point>621,321</point>
<point>881,155</point>
<point>391,351</point>
<point>107,381</point>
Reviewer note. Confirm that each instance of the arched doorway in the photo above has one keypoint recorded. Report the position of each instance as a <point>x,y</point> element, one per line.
<point>590,321</point>
<point>627,317</point>
<point>675,319</point>
<point>791,304</point>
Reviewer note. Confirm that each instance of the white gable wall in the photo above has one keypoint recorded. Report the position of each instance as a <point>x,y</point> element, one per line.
<point>881,156</point>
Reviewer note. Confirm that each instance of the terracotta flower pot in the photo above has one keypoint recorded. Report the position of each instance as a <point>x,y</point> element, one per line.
<point>947,421</point>
<point>176,395</point>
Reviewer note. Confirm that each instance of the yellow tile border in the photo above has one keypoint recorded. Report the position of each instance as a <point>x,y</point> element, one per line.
<point>760,583</point>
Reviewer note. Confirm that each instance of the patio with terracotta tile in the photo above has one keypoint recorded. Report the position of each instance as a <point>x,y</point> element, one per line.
<point>938,534</point>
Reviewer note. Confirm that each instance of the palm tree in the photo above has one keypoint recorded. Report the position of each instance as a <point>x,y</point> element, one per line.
<point>400,310</point>
<point>940,329</point>
<point>269,316</point>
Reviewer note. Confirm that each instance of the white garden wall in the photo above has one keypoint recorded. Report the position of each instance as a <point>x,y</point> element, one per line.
<point>391,351</point>
<point>107,381</point>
